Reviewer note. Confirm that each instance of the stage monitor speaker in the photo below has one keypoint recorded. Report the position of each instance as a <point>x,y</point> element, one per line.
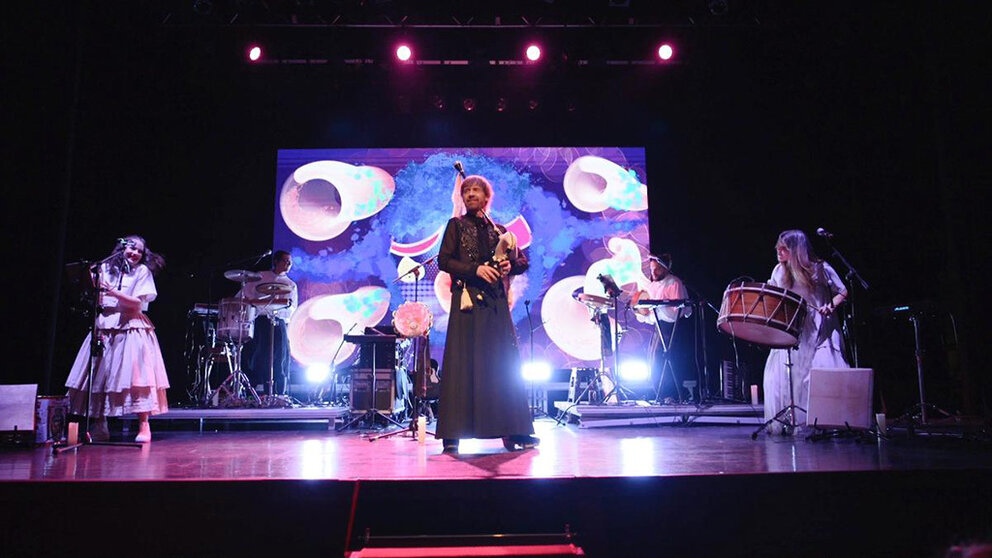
<point>385,391</point>
<point>840,398</point>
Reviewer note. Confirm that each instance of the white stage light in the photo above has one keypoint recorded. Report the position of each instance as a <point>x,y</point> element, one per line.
<point>404,53</point>
<point>533,53</point>
<point>317,373</point>
<point>635,371</point>
<point>665,52</point>
<point>536,371</point>
<point>254,53</point>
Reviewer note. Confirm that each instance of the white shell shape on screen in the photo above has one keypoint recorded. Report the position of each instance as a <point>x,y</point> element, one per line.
<point>624,266</point>
<point>567,322</point>
<point>363,191</point>
<point>593,184</point>
<point>319,324</point>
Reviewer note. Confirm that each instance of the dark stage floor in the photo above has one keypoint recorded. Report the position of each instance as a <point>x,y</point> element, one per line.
<point>630,491</point>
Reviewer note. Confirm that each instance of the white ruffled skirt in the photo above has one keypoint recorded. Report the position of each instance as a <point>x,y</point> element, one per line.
<point>129,378</point>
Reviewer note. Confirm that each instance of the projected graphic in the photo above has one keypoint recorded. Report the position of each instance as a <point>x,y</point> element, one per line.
<point>356,219</point>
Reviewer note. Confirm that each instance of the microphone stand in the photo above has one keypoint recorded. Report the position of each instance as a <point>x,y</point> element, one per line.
<point>96,354</point>
<point>700,303</point>
<point>421,365</point>
<point>535,411</point>
<point>855,279</point>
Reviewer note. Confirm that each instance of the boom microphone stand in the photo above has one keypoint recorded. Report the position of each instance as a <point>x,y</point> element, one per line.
<point>93,290</point>
<point>855,279</point>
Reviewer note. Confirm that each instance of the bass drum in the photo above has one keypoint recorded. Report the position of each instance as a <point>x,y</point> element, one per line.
<point>763,314</point>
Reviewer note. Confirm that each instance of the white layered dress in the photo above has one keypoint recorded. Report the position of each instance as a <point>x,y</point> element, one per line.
<point>130,376</point>
<point>821,345</point>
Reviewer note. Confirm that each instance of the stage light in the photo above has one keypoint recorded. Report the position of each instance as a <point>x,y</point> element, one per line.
<point>536,371</point>
<point>437,102</point>
<point>533,104</point>
<point>403,53</point>
<point>502,104</point>
<point>635,371</point>
<point>317,373</point>
<point>468,103</point>
<point>665,52</point>
<point>254,53</point>
<point>533,53</point>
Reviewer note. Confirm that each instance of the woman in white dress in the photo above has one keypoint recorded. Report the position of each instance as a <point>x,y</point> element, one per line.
<point>130,376</point>
<point>820,342</point>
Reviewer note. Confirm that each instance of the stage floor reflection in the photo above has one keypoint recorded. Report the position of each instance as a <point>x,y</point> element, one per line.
<point>565,452</point>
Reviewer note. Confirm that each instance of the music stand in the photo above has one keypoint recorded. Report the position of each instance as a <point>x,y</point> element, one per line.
<point>619,391</point>
<point>421,364</point>
<point>85,278</point>
<point>369,416</point>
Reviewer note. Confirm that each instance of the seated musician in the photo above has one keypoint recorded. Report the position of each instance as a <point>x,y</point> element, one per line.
<point>664,285</point>
<point>274,312</point>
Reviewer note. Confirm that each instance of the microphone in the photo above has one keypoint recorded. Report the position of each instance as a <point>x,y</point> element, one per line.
<point>258,260</point>
<point>460,169</point>
<point>824,233</point>
<point>122,241</point>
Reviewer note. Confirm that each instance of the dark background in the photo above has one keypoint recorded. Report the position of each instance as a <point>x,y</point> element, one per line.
<point>869,121</point>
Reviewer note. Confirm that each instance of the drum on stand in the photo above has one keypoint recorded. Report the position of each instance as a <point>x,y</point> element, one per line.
<point>763,314</point>
<point>235,320</point>
<point>771,316</point>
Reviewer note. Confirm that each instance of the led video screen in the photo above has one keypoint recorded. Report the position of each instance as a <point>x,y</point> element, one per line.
<point>356,219</point>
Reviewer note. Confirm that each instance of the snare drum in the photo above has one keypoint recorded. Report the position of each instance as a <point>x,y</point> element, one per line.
<point>762,314</point>
<point>235,320</point>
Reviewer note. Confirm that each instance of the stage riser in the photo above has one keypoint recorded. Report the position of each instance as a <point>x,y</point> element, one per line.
<point>825,514</point>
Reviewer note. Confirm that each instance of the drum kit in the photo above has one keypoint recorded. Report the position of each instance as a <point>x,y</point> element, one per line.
<point>224,343</point>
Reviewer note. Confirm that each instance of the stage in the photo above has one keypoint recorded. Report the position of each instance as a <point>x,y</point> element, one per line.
<point>659,490</point>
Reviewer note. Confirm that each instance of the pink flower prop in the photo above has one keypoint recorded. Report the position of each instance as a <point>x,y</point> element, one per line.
<point>412,319</point>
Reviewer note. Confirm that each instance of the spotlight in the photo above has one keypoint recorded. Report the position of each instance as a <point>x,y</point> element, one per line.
<point>254,53</point>
<point>536,371</point>
<point>665,52</point>
<point>437,102</point>
<point>403,53</point>
<point>317,373</point>
<point>635,371</point>
<point>468,103</point>
<point>533,104</point>
<point>502,104</point>
<point>533,53</point>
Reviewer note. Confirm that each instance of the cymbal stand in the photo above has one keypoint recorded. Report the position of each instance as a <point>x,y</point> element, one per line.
<point>789,409</point>
<point>237,382</point>
<point>919,411</point>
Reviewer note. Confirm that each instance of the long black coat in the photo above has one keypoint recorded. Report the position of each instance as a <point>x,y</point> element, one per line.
<point>483,394</point>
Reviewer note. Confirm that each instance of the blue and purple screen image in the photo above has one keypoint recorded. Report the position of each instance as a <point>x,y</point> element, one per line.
<point>356,219</point>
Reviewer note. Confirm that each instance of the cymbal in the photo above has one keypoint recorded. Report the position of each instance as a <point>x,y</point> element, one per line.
<point>275,289</point>
<point>593,301</point>
<point>242,276</point>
